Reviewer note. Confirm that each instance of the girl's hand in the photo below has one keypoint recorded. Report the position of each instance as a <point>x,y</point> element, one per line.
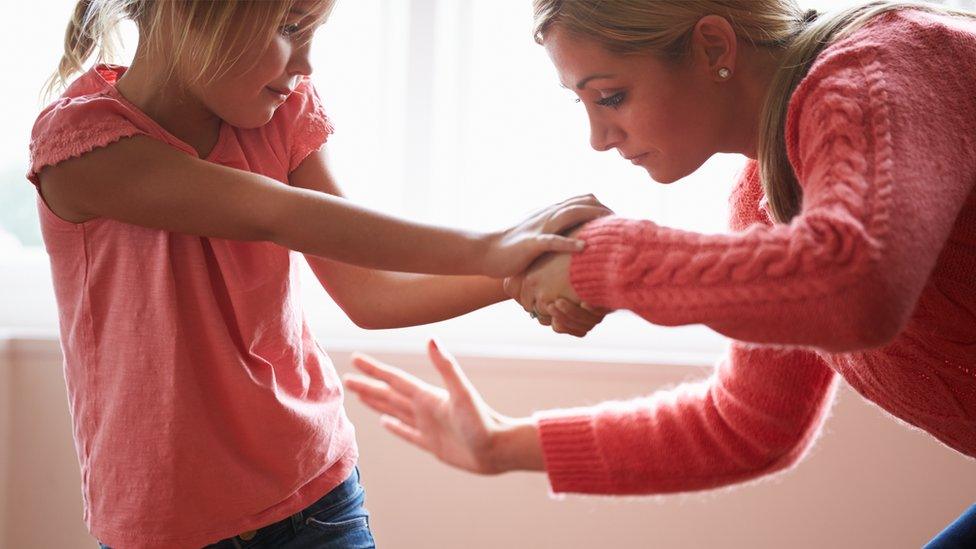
<point>455,425</point>
<point>512,251</point>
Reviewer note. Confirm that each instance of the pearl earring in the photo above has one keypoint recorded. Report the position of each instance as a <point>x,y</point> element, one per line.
<point>724,73</point>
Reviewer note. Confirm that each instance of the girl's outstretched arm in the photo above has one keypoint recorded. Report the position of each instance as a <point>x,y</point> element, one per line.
<point>376,299</point>
<point>144,182</point>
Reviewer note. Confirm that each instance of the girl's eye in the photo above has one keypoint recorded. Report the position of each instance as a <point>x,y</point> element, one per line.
<point>289,30</point>
<point>613,101</point>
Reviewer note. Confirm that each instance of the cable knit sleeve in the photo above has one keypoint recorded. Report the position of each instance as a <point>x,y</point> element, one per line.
<point>883,147</point>
<point>757,414</point>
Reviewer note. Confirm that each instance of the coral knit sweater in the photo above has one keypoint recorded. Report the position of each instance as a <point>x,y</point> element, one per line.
<point>875,280</point>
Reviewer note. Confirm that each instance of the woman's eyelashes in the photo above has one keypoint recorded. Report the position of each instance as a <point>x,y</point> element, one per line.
<point>612,101</point>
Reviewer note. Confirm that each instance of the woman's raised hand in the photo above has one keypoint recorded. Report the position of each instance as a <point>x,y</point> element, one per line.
<point>452,423</point>
<point>511,251</point>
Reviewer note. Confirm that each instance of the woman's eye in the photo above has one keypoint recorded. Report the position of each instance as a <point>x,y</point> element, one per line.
<point>612,101</point>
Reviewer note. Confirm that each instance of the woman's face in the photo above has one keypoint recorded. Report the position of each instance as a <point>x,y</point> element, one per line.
<point>660,115</point>
<point>258,82</point>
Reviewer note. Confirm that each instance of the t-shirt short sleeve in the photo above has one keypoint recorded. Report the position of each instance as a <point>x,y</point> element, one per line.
<point>73,126</point>
<point>303,121</point>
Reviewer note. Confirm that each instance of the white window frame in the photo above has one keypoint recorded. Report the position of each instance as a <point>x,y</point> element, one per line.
<point>411,55</point>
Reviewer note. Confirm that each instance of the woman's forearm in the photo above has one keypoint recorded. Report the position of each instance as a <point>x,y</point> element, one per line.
<point>516,446</point>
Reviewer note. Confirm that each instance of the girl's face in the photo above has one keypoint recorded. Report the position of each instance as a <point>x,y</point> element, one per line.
<point>658,115</point>
<point>257,83</point>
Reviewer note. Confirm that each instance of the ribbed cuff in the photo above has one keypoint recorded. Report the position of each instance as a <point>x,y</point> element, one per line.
<point>594,271</point>
<point>571,454</point>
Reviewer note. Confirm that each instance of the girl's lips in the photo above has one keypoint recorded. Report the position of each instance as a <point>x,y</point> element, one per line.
<point>280,94</point>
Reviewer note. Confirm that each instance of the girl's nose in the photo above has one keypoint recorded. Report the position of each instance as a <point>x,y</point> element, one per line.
<point>300,63</point>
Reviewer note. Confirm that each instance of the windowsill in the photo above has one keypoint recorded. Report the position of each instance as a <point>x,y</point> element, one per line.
<point>500,332</point>
<point>43,344</point>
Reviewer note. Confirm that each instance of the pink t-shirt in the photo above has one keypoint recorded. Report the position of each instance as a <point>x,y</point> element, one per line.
<point>202,405</point>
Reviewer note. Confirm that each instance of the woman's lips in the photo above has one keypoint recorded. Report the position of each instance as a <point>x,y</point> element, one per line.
<point>636,160</point>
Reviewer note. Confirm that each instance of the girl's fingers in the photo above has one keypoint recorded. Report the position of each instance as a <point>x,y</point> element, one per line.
<point>572,216</point>
<point>396,378</point>
<point>583,200</point>
<point>407,433</point>
<point>558,244</point>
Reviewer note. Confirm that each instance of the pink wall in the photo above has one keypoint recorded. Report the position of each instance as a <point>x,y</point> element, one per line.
<point>870,482</point>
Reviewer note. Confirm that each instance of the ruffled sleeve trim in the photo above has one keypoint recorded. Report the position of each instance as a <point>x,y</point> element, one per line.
<point>71,142</point>
<point>312,128</point>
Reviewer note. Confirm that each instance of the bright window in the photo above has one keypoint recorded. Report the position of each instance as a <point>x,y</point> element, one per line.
<point>446,111</point>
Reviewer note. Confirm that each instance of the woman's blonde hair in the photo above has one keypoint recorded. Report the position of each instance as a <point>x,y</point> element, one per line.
<point>664,28</point>
<point>199,29</point>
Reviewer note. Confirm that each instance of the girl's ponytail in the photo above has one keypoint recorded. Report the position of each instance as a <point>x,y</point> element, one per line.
<point>197,31</point>
<point>92,31</point>
<point>80,41</point>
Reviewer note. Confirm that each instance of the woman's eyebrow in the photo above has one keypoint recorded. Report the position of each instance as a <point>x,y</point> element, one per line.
<point>582,83</point>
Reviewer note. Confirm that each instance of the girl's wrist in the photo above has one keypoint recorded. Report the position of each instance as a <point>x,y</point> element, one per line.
<point>515,446</point>
<point>480,251</point>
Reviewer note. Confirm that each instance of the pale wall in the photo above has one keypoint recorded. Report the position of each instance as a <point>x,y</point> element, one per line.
<point>870,482</point>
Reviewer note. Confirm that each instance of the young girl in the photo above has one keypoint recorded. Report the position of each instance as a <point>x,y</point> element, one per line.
<point>853,256</point>
<point>171,194</point>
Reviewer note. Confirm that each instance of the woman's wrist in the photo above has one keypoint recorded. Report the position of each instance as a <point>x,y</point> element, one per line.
<point>515,446</point>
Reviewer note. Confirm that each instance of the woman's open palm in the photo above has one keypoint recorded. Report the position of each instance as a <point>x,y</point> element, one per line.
<point>453,423</point>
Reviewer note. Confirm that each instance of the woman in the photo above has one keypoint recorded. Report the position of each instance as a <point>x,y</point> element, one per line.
<point>854,251</point>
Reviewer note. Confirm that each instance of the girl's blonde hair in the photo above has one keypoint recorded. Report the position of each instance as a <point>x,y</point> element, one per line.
<point>664,28</point>
<point>199,31</point>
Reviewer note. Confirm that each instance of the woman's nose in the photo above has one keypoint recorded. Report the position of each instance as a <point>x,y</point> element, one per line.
<point>603,136</point>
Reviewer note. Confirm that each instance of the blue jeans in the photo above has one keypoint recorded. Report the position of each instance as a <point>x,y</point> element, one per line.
<point>958,535</point>
<point>337,521</point>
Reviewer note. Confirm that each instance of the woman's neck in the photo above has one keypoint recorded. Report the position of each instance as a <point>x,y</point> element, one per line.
<point>758,67</point>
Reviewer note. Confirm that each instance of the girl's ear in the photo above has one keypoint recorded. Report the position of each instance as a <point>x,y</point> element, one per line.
<point>714,46</point>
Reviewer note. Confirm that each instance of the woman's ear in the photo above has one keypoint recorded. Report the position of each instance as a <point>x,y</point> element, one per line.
<point>714,47</point>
